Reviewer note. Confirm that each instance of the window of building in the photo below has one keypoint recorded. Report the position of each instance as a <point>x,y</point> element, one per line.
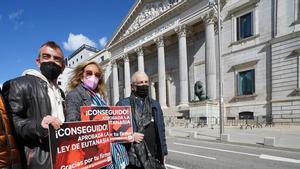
<point>59,83</point>
<point>244,22</point>
<point>246,82</point>
<point>297,9</point>
<point>81,56</point>
<point>66,61</point>
<point>297,12</point>
<point>102,58</point>
<point>77,60</point>
<point>244,25</point>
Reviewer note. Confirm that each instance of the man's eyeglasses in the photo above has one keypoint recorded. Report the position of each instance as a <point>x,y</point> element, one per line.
<point>90,73</point>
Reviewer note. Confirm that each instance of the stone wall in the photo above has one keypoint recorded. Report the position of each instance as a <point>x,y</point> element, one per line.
<point>285,74</point>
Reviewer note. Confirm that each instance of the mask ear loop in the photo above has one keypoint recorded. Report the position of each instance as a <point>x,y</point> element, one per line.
<point>132,87</point>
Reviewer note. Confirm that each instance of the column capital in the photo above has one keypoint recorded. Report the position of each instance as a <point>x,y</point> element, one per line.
<point>139,50</point>
<point>104,68</point>
<point>210,17</point>
<point>114,62</point>
<point>159,41</point>
<point>125,57</point>
<point>181,30</point>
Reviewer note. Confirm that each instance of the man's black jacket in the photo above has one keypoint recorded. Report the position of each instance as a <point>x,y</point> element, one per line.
<point>28,102</point>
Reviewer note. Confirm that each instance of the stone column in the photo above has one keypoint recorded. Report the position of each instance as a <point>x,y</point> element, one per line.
<point>183,70</point>
<point>140,56</point>
<point>210,57</point>
<point>161,71</point>
<point>115,82</point>
<point>106,81</point>
<point>104,73</point>
<point>126,75</point>
<point>152,88</point>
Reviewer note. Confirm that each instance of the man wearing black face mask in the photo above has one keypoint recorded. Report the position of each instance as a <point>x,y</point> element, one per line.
<point>148,125</point>
<point>34,102</point>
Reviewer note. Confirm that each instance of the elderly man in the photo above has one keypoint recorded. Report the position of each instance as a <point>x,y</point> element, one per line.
<point>148,125</point>
<point>35,102</point>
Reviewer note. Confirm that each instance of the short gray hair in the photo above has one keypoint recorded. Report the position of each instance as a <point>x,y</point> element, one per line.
<point>135,74</point>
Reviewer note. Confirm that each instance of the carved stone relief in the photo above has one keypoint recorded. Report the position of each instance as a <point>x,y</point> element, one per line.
<point>149,12</point>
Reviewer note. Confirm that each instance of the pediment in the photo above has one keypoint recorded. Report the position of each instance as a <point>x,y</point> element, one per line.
<point>149,12</point>
<point>144,12</point>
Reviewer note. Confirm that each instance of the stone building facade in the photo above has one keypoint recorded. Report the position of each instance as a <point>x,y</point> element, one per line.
<point>285,51</point>
<point>176,43</point>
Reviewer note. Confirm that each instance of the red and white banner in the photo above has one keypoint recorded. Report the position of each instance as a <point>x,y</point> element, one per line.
<point>119,120</point>
<point>84,145</point>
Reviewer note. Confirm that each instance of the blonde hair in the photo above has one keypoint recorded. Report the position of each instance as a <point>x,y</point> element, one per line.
<point>77,75</point>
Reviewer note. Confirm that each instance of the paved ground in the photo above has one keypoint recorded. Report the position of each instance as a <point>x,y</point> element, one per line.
<point>285,136</point>
<point>185,153</point>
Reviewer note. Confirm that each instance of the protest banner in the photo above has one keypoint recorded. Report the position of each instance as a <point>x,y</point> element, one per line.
<point>84,145</point>
<point>119,119</point>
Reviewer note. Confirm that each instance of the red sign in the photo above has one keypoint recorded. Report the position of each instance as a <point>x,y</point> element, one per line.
<point>84,145</point>
<point>119,119</point>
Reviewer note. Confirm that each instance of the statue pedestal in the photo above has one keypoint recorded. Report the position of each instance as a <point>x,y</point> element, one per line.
<point>204,112</point>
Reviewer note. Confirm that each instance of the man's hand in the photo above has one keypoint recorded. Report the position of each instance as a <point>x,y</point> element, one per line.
<point>138,137</point>
<point>54,121</point>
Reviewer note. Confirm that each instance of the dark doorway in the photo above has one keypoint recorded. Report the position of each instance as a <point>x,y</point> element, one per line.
<point>246,115</point>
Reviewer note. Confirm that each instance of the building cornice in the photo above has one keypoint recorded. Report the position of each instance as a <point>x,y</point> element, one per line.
<point>105,62</point>
<point>84,46</point>
<point>284,100</point>
<point>154,22</point>
<point>240,5</point>
<point>124,21</point>
<point>246,48</point>
<point>242,104</point>
<point>285,37</point>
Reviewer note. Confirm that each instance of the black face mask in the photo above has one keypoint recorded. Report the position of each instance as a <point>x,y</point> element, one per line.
<point>50,70</point>
<point>142,91</point>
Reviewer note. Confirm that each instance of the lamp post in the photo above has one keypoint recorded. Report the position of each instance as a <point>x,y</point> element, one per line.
<point>221,110</point>
<point>220,84</point>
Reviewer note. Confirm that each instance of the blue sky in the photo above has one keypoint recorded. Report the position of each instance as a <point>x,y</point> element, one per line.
<point>26,24</point>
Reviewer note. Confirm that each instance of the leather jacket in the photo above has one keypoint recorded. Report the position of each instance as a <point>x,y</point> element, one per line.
<point>29,103</point>
<point>9,153</point>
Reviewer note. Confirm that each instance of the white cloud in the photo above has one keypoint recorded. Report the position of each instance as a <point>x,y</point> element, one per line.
<point>17,18</point>
<point>75,41</point>
<point>103,41</point>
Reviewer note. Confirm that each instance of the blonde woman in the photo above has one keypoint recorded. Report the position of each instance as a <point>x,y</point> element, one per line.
<point>87,88</point>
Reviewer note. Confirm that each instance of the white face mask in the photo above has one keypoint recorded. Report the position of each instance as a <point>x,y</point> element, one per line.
<point>91,82</point>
